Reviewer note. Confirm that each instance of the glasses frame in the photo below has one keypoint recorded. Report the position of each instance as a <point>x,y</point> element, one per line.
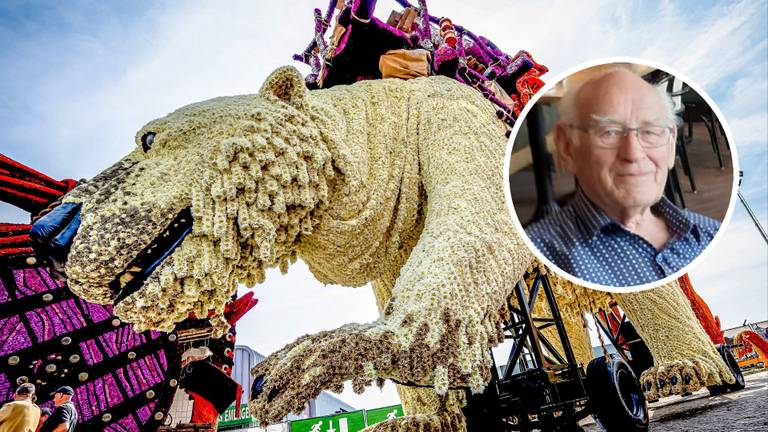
<point>625,132</point>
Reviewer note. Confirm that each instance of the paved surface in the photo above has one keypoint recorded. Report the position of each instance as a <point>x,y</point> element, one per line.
<point>741,411</point>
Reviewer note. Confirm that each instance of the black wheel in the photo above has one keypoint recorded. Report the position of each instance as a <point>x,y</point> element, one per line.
<point>733,365</point>
<point>715,390</point>
<point>615,396</point>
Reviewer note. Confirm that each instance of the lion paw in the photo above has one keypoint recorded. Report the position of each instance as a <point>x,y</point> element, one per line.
<point>674,378</point>
<point>443,421</point>
<point>413,350</point>
<point>300,371</point>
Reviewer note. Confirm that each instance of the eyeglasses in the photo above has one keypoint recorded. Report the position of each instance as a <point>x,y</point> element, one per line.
<point>610,136</point>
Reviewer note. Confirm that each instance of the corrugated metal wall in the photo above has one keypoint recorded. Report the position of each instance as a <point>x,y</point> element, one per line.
<point>245,359</point>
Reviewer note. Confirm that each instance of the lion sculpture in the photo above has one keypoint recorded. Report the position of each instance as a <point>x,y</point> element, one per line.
<point>389,182</point>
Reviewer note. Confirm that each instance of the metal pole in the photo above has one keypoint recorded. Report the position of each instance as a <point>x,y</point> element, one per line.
<point>533,335</point>
<point>753,216</point>
<point>568,350</point>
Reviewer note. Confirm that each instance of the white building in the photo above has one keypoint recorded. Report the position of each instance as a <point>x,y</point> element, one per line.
<point>245,360</point>
<point>758,327</point>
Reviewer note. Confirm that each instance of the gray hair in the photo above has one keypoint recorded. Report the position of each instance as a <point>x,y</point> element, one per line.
<point>567,107</point>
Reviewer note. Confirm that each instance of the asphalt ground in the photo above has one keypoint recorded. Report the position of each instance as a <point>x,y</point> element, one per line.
<point>742,411</point>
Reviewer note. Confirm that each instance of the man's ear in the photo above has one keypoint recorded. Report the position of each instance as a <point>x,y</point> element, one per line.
<point>287,85</point>
<point>565,148</point>
<point>672,148</point>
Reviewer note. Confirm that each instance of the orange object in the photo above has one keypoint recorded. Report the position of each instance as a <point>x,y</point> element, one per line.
<point>404,64</point>
<point>448,32</point>
<point>709,322</point>
<point>752,343</point>
<point>203,411</point>
<point>755,361</point>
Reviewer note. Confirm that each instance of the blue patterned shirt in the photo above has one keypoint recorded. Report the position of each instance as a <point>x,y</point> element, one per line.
<point>585,242</point>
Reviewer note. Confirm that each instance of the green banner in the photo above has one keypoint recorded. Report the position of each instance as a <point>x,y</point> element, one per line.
<point>345,422</point>
<point>227,418</point>
<point>378,415</point>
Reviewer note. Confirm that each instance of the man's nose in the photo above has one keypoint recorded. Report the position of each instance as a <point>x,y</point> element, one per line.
<point>630,147</point>
<point>52,234</point>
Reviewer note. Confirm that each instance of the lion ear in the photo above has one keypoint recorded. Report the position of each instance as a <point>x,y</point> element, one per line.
<point>287,85</point>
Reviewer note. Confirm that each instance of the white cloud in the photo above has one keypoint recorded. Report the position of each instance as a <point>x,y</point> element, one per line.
<point>733,277</point>
<point>750,130</point>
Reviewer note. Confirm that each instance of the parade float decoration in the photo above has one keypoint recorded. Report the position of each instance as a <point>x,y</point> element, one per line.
<point>124,380</point>
<point>671,320</point>
<point>392,182</point>
<point>679,373</point>
<point>709,322</point>
<point>753,348</point>
<point>685,359</point>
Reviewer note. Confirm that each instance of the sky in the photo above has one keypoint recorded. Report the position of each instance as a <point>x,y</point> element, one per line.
<point>78,78</point>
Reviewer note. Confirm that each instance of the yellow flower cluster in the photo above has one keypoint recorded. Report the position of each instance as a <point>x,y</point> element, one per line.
<point>674,378</point>
<point>398,183</point>
<point>450,419</point>
<point>681,348</point>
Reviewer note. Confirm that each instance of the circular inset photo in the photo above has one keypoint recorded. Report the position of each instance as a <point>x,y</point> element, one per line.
<point>621,174</point>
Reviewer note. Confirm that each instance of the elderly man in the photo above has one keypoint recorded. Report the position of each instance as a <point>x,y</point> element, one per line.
<point>21,415</point>
<point>64,417</point>
<point>617,136</point>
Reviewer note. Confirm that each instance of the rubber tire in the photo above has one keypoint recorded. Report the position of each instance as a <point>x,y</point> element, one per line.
<point>716,390</point>
<point>615,396</point>
<point>733,365</point>
<point>736,370</point>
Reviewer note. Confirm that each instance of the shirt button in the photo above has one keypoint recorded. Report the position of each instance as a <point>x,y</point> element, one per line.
<point>666,263</point>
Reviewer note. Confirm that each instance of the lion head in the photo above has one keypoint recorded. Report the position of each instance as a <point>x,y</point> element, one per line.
<point>213,194</point>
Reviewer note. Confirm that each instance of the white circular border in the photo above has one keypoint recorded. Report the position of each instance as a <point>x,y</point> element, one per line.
<point>516,129</point>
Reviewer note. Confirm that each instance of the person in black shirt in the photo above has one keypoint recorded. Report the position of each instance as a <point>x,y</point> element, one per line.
<point>44,414</point>
<point>64,417</point>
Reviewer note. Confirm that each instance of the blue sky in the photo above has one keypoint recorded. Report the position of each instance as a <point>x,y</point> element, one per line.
<point>77,79</point>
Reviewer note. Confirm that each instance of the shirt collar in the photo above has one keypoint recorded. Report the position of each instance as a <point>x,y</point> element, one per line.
<point>677,220</point>
<point>592,218</point>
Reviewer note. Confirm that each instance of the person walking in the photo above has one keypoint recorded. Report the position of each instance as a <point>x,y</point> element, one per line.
<point>44,414</point>
<point>64,417</point>
<point>20,415</point>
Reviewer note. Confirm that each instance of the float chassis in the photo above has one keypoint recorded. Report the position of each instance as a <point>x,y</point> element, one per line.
<point>542,387</point>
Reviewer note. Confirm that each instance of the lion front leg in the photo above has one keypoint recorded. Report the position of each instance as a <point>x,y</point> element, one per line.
<point>449,300</point>
<point>451,294</point>
<point>685,358</point>
<point>360,353</point>
<point>288,378</point>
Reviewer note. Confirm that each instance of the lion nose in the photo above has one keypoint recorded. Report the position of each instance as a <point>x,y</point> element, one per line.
<point>53,233</point>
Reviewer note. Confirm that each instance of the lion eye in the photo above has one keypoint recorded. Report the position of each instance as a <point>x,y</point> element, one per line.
<point>147,140</point>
